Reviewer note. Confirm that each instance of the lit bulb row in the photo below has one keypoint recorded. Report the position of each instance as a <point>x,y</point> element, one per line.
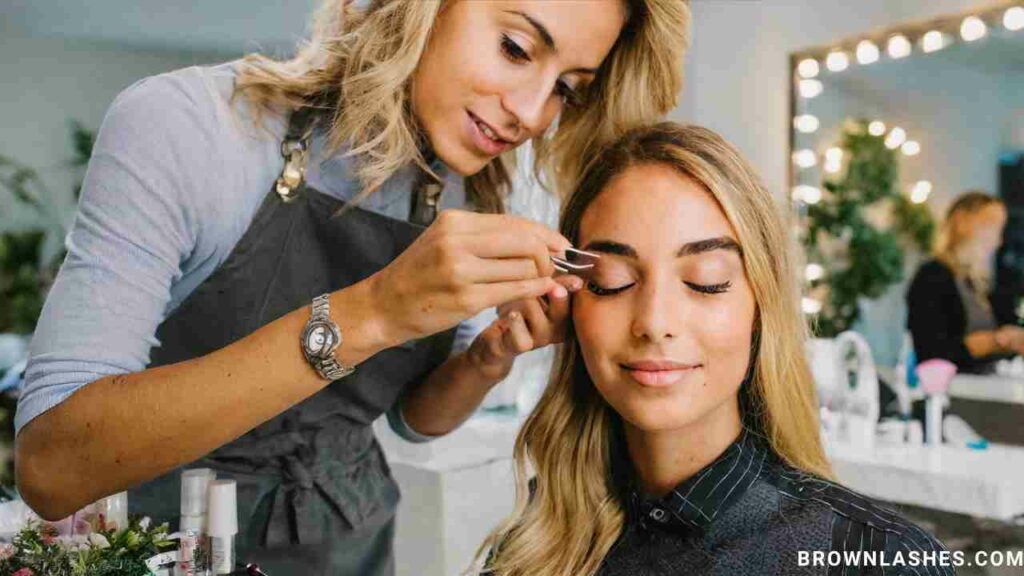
<point>896,138</point>
<point>919,192</point>
<point>899,46</point>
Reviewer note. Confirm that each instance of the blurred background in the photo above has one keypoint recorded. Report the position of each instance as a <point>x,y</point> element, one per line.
<point>865,139</point>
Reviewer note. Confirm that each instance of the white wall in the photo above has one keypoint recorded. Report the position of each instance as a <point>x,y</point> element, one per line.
<point>45,83</point>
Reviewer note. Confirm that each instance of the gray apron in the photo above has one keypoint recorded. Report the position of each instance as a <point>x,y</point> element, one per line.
<point>315,494</point>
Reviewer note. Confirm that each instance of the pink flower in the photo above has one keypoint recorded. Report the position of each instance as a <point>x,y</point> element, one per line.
<point>24,572</point>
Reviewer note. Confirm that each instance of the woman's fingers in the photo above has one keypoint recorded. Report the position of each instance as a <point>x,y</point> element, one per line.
<point>506,244</point>
<point>536,319</point>
<point>488,270</point>
<point>464,222</point>
<point>517,336</point>
<point>483,296</point>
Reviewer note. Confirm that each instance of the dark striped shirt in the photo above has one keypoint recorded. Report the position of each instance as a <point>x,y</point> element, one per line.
<point>749,513</point>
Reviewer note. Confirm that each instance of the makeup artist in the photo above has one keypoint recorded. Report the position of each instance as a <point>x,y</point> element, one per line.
<point>269,255</point>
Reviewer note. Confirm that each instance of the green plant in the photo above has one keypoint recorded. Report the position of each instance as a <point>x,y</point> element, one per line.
<point>39,551</point>
<point>859,230</point>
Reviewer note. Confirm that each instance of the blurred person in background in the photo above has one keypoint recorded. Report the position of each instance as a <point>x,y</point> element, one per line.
<point>954,311</point>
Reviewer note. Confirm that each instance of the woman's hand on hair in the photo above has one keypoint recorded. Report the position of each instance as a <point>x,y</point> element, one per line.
<point>462,264</point>
<point>522,326</point>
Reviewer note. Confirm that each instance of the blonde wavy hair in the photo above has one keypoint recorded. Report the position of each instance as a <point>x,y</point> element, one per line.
<point>359,63</point>
<point>568,521</point>
<point>953,235</point>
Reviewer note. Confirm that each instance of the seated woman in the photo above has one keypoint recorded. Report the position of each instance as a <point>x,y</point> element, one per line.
<point>952,311</point>
<point>679,433</point>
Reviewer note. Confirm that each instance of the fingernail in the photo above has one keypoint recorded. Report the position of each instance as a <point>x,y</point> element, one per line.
<point>577,283</point>
<point>560,291</point>
<point>513,315</point>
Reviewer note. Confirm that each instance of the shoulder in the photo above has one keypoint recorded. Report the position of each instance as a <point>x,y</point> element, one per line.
<point>933,271</point>
<point>192,108</point>
<point>863,531</point>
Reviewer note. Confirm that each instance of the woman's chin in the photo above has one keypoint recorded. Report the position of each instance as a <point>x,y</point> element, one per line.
<point>648,418</point>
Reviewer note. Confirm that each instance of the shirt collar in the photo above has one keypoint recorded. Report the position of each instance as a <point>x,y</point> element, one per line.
<point>699,500</point>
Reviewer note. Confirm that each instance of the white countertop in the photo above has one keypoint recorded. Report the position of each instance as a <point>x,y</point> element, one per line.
<point>983,483</point>
<point>988,388</point>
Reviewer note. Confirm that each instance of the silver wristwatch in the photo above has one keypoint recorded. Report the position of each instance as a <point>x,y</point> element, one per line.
<point>320,339</point>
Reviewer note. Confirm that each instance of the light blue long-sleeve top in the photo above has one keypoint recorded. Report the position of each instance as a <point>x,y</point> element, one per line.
<point>177,174</point>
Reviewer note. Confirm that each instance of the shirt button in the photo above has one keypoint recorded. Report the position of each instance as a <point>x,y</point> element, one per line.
<point>658,515</point>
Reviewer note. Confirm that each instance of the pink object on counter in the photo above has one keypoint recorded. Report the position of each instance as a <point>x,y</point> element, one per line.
<point>935,375</point>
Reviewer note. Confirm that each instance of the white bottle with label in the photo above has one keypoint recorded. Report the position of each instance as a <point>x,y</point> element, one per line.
<point>222,526</point>
<point>195,485</point>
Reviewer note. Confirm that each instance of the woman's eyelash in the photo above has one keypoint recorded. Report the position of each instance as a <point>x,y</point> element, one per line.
<point>512,50</point>
<point>702,288</point>
<point>515,53</point>
<point>710,288</point>
<point>599,291</point>
<point>569,95</point>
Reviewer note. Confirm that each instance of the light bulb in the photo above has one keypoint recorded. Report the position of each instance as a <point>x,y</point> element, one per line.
<point>810,88</point>
<point>814,272</point>
<point>933,41</point>
<point>833,160</point>
<point>808,68</point>
<point>920,191</point>
<point>1013,19</point>
<point>867,52</point>
<point>972,28</point>
<point>897,136</point>
<point>806,194</point>
<point>876,128</point>
<point>810,305</point>
<point>806,123</point>
<point>911,148</point>
<point>899,47</point>
<point>837,61</point>
<point>805,158</point>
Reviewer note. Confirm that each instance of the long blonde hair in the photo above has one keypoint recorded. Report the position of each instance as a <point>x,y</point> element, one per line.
<point>953,235</point>
<point>568,522</point>
<point>360,61</point>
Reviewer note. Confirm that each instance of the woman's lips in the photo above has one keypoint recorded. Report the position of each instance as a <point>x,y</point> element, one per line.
<point>489,146</point>
<point>658,374</point>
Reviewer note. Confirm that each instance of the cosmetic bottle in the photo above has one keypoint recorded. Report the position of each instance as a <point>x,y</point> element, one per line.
<point>222,526</point>
<point>195,485</point>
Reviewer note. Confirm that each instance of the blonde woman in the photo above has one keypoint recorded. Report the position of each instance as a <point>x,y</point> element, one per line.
<point>256,273</point>
<point>679,432</point>
<point>952,310</point>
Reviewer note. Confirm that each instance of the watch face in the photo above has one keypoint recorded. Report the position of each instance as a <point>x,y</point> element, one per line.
<point>320,339</point>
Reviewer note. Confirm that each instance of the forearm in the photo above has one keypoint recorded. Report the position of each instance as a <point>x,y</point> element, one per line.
<point>449,395</point>
<point>120,431</point>
<point>983,343</point>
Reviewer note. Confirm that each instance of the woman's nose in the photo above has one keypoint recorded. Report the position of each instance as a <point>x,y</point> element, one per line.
<point>658,312</point>
<point>532,105</point>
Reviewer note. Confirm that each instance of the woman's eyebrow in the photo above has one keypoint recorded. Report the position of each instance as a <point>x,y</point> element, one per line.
<point>709,244</point>
<point>548,39</point>
<point>688,249</point>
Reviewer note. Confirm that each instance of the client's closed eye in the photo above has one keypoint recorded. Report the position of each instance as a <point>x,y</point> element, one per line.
<point>710,288</point>
<point>599,290</point>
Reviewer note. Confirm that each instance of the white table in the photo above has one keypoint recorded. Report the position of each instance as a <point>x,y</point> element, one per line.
<point>982,483</point>
<point>1006,389</point>
<point>455,490</point>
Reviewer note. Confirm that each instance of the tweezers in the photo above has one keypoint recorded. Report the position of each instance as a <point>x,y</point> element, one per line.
<point>579,269</point>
